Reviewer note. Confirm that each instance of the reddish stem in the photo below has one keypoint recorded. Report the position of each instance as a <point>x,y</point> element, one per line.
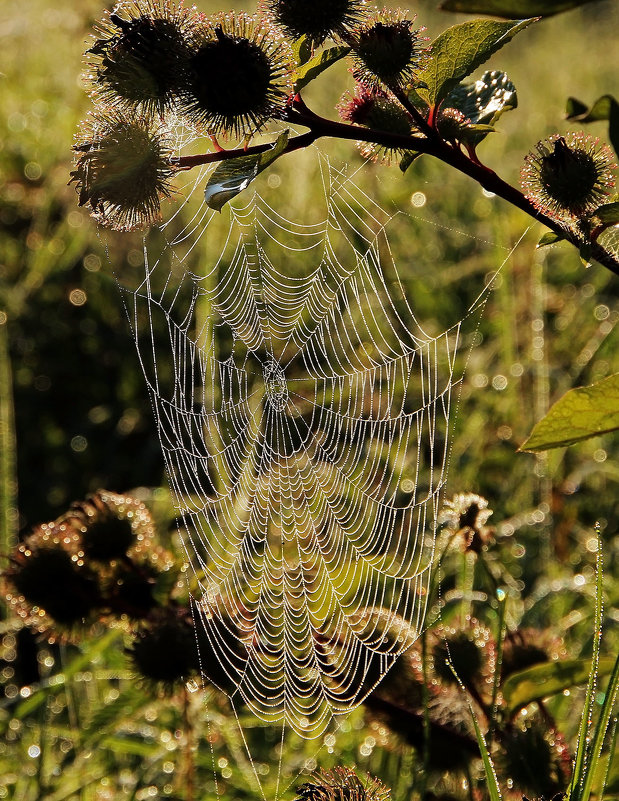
<point>432,143</point>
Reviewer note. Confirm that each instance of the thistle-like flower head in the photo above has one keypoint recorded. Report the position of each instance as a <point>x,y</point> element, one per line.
<point>536,759</point>
<point>111,526</point>
<point>387,49</point>
<point>164,651</point>
<point>240,75</point>
<point>466,515</point>
<point>470,651</point>
<point>50,578</point>
<point>317,19</point>
<point>568,176</point>
<point>451,122</point>
<point>123,169</point>
<point>342,784</point>
<point>527,646</point>
<point>140,55</point>
<point>379,110</point>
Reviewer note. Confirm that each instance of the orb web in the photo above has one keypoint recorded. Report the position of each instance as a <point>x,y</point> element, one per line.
<point>304,418</point>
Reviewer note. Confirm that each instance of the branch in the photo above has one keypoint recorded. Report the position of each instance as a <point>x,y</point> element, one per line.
<point>188,162</point>
<point>490,181</point>
<point>418,118</point>
<point>298,113</point>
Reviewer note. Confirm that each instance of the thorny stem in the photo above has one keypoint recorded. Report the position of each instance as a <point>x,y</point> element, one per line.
<point>431,143</point>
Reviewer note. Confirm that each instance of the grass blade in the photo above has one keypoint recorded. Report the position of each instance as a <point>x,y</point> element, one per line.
<point>601,729</point>
<point>494,791</point>
<point>579,771</point>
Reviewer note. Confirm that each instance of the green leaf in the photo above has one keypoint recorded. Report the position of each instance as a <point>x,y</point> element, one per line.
<point>460,50</point>
<point>234,175</point>
<point>549,238</point>
<point>483,102</point>
<point>302,50</point>
<point>580,414</point>
<point>547,679</point>
<point>510,9</point>
<point>600,110</point>
<point>574,108</point>
<point>604,108</point>
<point>407,159</point>
<point>128,744</point>
<point>319,63</point>
<point>608,214</point>
<point>492,783</point>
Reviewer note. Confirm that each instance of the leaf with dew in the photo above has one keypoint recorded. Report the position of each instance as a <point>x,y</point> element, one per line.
<point>461,49</point>
<point>234,175</point>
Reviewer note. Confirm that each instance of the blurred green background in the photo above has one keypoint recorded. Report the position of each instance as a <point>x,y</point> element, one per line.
<point>82,415</point>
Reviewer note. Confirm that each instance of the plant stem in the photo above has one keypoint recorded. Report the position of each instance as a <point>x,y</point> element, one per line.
<point>8,470</point>
<point>432,144</point>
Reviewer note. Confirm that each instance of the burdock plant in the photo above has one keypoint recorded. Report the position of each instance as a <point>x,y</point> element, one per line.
<point>568,176</point>
<point>387,49</point>
<point>140,55</point>
<point>47,578</point>
<point>240,75</point>
<point>319,19</point>
<point>376,109</point>
<point>123,169</point>
<point>342,784</point>
<point>164,652</point>
<point>157,62</point>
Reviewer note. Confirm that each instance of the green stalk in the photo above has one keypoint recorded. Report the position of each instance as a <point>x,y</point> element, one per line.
<point>601,729</point>
<point>612,749</point>
<point>426,714</point>
<point>494,791</point>
<point>8,460</point>
<point>467,581</point>
<point>579,771</point>
<point>502,604</point>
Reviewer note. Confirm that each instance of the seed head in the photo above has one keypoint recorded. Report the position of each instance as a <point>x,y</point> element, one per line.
<point>342,784</point>
<point>123,169</point>
<point>536,759</point>
<point>527,646</point>
<point>318,19</point>
<point>466,515</point>
<point>451,122</point>
<point>107,538</point>
<point>164,651</point>
<point>140,55</point>
<point>111,526</point>
<point>469,651</point>
<point>51,579</point>
<point>387,50</point>
<point>240,75</point>
<point>568,176</point>
<point>131,588</point>
<point>376,109</point>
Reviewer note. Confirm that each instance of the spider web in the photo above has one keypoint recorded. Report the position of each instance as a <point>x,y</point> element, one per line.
<point>304,418</point>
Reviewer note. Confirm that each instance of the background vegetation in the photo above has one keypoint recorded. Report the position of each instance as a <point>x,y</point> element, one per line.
<point>76,723</point>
